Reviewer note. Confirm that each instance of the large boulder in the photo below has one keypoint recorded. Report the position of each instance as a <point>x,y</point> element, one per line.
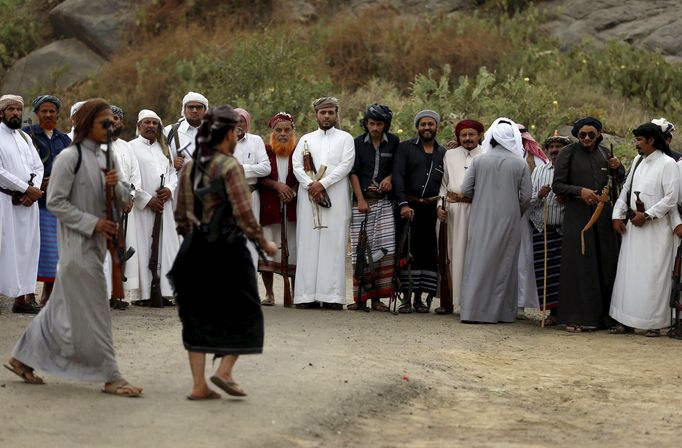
<point>59,64</point>
<point>101,24</point>
<point>649,24</point>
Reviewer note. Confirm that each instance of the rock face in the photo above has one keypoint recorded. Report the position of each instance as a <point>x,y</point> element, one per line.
<point>649,24</point>
<point>59,64</point>
<point>100,24</point>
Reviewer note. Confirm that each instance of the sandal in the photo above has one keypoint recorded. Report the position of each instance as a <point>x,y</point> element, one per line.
<point>118,304</point>
<point>269,300</point>
<point>230,387</point>
<point>551,321</point>
<point>405,308</point>
<point>621,329</point>
<point>379,306</point>
<point>574,328</point>
<point>652,333</point>
<point>358,307</point>
<point>122,388</point>
<point>212,395</point>
<point>25,373</point>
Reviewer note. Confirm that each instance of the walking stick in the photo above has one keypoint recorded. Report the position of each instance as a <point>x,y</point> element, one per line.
<point>545,212</point>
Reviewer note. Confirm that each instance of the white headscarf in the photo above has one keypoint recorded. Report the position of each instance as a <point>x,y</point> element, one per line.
<point>193,97</point>
<point>146,113</point>
<point>507,135</point>
<point>77,105</point>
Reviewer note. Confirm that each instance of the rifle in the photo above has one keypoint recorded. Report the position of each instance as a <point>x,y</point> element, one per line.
<point>403,260</point>
<point>309,168</point>
<point>638,202</point>
<point>17,195</point>
<point>615,184</point>
<point>112,215</point>
<point>284,258</point>
<point>675,305</point>
<point>444,274</point>
<point>155,298</point>
<point>361,263</point>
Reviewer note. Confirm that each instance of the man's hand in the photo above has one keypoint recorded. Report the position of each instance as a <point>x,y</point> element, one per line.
<point>315,189</point>
<point>619,226</point>
<point>386,184</point>
<point>544,191</point>
<point>163,194</point>
<point>589,196</point>
<point>44,183</point>
<point>26,201</point>
<point>363,206</point>
<point>560,199</point>
<point>286,193</point>
<point>155,204</point>
<point>110,177</point>
<point>127,208</point>
<point>442,214</point>
<point>614,163</point>
<point>106,227</point>
<point>269,248</point>
<point>639,219</point>
<point>178,162</point>
<point>406,212</point>
<point>678,230</point>
<point>33,193</point>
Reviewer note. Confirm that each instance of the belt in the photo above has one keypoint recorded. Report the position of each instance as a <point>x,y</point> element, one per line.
<point>7,191</point>
<point>458,197</point>
<point>431,200</point>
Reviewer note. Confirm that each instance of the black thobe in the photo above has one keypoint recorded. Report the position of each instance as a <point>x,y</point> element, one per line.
<point>586,280</point>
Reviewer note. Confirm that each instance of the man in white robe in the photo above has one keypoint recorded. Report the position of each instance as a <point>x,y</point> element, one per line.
<point>321,252</point>
<point>181,136</point>
<point>468,134</point>
<point>155,160</point>
<point>251,154</point>
<point>641,291</point>
<point>21,173</point>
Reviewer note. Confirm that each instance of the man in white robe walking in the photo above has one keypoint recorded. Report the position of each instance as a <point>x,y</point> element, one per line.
<point>641,291</point>
<point>155,160</point>
<point>21,173</point>
<point>321,252</point>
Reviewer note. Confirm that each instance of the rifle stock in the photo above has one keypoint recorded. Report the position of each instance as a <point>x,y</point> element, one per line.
<point>113,243</point>
<point>445,276</point>
<point>284,258</point>
<point>155,298</point>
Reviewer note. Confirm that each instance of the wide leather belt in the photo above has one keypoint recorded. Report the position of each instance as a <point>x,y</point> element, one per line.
<point>458,197</point>
<point>431,200</point>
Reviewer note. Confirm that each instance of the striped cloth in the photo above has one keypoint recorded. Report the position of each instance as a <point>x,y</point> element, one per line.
<point>423,248</point>
<point>47,263</point>
<point>553,264</point>
<point>380,234</point>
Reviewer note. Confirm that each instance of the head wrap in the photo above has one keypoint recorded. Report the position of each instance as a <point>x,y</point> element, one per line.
<point>7,100</point>
<point>144,114</point>
<point>530,144</point>
<point>378,112</point>
<point>468,124</point>
<point>77,105</point>
<point>653,130</point>
<point>587,121</point>
<point>247,117</point>
<point>118,112</point>
<point>193,97</point>
<point>556,138</point>
<point>279,117</point>
<point>426,113</point>
<point>326,102</point>
<point>505,133</point>
<point>667,128</point>
<point>37,101</point>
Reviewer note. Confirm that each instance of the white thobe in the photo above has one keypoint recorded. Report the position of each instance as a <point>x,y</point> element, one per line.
<point>19,225</point>
<point>153,163</point>
<point>528,289</point>
<point>320,262</point>
<point>187,135</point>
<point>250,153</point>
<point>641,291</point>
<point>129,172</point>
<point>456,161</point>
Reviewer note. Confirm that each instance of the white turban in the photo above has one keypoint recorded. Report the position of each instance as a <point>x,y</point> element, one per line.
<point>193,97</point>
<point>77,105</point>
<point>666,126</point>
<point>506,133</point>
<point>144,114</point>
<point>6,100</point>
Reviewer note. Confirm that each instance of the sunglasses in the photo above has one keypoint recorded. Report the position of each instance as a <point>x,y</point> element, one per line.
<point>590,135</point>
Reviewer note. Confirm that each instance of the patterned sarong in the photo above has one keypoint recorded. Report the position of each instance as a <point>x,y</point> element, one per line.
<point>553,264</point>
<point>380,229</point>
<point>47,264</point>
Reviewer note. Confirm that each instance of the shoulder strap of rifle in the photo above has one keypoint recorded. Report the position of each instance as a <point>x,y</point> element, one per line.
<point>632,178</point>
<point>173,135</point>
<point>79,159</point>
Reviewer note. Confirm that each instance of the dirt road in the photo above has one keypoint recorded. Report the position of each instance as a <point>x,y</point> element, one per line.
<point>341,379</point>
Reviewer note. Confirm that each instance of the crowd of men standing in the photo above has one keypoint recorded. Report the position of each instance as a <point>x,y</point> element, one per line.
<point>558,225</point>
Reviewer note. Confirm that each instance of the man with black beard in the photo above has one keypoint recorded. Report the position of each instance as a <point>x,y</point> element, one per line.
<point>21,173</point>
<point>181,136</point>
<point>49,142</point>
<point>417,174</point>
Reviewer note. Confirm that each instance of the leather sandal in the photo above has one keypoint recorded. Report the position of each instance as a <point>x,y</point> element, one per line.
<point>621,329</point>
<point>442,310</point>
<point>269,300</point>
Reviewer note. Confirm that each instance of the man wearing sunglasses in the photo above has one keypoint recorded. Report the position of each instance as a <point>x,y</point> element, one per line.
<point>582,173</point>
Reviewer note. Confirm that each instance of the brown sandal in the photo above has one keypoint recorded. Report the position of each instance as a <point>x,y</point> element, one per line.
<point>269,300</point>
<point>122,388</point>
<point>25,373</point>
<point>652,333</point>
<point>621,329</point>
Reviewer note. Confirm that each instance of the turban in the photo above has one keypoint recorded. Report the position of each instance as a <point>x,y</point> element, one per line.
<point>587,121</point>
<point>468,124</point>
<point>426,113</point>
<point>378,112</point>
<point>505,133</point>
<point>146,113</point>
<point>193,97</point>
<point>77,105</point>
<point>118,111</point>
<point>247,117</point>
<point>37,101</point>
<point>653,130</point>
<point>279,117</point>
<point>530,144</point>
<point>667,128</point>
<point>325,102</point>
<point>7,100</point>
<point>556,138</point>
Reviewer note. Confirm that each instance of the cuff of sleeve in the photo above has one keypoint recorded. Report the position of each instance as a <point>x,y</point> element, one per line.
<point>141,199</point>
<point>326,183</point>
<point>88,224</point>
